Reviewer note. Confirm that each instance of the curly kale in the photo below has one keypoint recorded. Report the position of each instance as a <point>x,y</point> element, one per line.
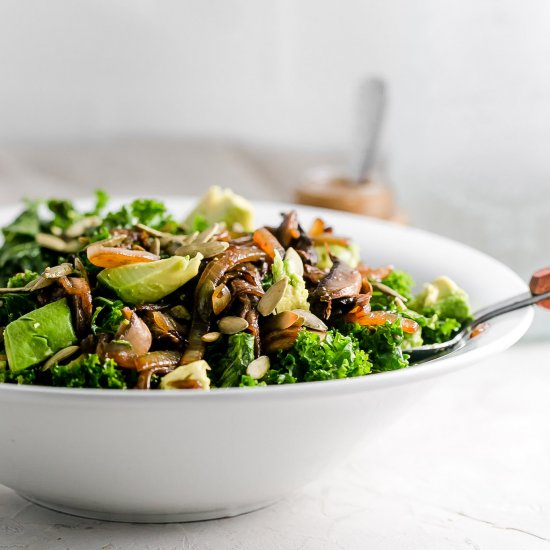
<point>89,372</point>
<point>336,356</point>
<point>146,211</point>
<point>107,317</point>
<point>382,343</point>
<point>401,282</point>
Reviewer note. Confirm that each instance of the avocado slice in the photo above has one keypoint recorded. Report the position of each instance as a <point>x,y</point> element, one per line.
<point>148,282</point>
<point>222,205</point>
<point>39,334</point>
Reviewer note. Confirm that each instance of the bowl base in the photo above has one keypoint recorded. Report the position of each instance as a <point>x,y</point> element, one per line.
<point>180,517</point>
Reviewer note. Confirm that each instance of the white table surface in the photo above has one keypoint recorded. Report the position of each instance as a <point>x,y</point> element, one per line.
<point>466,468</point>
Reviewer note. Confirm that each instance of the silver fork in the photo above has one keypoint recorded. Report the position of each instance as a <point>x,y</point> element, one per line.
<point>539,294</point>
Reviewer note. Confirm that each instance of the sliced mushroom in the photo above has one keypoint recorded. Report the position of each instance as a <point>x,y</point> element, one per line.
<point>106,256</point>
<point>221,298</point>
<point>280,340</point>
<point>282,321</point>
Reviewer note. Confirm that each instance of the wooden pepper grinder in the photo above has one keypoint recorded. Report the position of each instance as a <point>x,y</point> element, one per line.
<point>353,189</point>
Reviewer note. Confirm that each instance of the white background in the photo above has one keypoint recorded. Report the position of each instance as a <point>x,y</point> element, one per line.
<point>466,139</point>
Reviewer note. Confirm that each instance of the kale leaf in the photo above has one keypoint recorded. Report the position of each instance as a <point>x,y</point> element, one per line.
<point>336,356</point>
<point>89,372</point>
<point>382,343</point>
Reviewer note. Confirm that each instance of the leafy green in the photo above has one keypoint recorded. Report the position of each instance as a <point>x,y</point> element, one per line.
<point>20,250</point>
<point>28,376</point>
<point>248,381</point>
<point>13,306</point>
<point>401,282</point>
<point>382,343</point>
<point>88,372</point>
<point>146,211</point>
<point>65,213</point>
<point>310,359</point>
<point>238,354</point>
<point>446,308</point>
<point>107,317</point>
<point>199,223</point>
<point>20,280</point>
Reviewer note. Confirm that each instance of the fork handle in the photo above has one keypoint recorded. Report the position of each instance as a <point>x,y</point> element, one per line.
<point>539,284</point>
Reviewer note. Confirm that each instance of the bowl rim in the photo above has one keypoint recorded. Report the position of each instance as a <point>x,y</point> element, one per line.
<point>465,357</point>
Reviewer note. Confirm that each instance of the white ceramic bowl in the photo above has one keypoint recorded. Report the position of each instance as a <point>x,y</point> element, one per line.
<point>177,456</point>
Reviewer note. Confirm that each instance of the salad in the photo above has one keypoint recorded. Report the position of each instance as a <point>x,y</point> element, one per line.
<point>134,298</point>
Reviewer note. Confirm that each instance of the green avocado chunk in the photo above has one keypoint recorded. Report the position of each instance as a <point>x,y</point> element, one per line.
<point>222,205</point>
<point>39,334</point>
<point>149,282</point>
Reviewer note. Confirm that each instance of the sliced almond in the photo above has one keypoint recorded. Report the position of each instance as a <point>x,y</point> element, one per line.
<point>62,354</point>
<point>210,337</point>
<point>221,298</point>
<point>57,271</point>
<point>274,294</point>
<point>294,261</point>
<point>311,320</point>
<point>282,320</point>
<point>208,250</point>
<point>259,367</point>
<point>232,324</point>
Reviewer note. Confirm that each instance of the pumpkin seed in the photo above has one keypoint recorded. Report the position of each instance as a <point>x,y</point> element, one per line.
<point>111,241</point>
<point>77,228</point>
<point>294,261</point>
<point>39,283</point>
<point>387,290</point>
<point>210,337</point>
<point>258,368</point>
<point>55,243</point>
<point>155,248</point>
<point>311,320</point>
<point>57,271</point>
<point>274,294</point>
<point>232,324</point>
<point>62,354</point>
<point>208,250</point>
<point>208,233</point>
<point>153,232</point>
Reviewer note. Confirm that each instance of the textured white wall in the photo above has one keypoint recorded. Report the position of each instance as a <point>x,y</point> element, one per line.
<point>470,79</point>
